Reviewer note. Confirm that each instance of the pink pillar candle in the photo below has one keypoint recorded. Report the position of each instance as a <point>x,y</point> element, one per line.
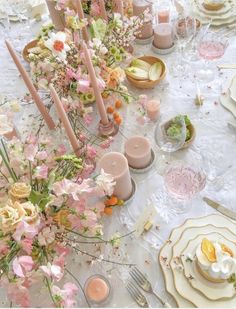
<point>153,109</point>
<point>29,84</point>
<point>97,92</point>
<point>116,164</point>
<point>64,119</point>
<point>103,9</point>
<point>163,16</point>
<point>80,12</point>
<point>118,7</point>
<point>138,151</point>
<point>57,16</point>
<point>97,289</point>
<point>139,6</point>
<point>163,36</point>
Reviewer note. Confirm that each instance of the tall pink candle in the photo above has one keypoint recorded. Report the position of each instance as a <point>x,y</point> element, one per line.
<point>138,151</point>
<point>118,7</point>
<point>57,16</point>
<point>80,12</point>
<point>116,164</point>
<point>97,92</point>
<point>153,109</point>
<point>64,119</point>
<point>103,9</point>
<point>31,88</point>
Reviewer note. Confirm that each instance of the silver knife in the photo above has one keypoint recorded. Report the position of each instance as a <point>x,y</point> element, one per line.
<point>225,211</point>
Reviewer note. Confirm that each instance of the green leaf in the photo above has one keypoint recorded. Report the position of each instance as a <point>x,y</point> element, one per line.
<point>40,199</point>
<point>98,29</point>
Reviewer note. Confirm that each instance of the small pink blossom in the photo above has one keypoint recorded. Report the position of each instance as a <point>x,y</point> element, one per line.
<point>53,271</point>
<point>23,228</point>
<point>75,221</point>
<point>83,86</point>
<point>31,139</point>
<point>66,294</point>
<point>19,294</point>
<point>105,182</point>
<point>61,150</point>
<point>22,265</point>
<point>41,172</point>
<point>91,152</point>
<point>27,245</point>
<point>4,248</point>
<point>46,236</point>
<point>107,143</point>
<point>95,9</point>
<point>88,119</point>
<point>88,218</point>
<point>30,152</point>
<point>69,187</point>
<point>42,155</point>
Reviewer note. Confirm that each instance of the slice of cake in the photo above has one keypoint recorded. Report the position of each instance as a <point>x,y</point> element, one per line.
<point>215,261</point>
<point>213,5</point>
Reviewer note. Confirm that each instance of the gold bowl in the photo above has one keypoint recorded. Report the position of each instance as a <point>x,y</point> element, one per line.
<point>25,52</point>
<point>148,84</point>
<point>190,141</point>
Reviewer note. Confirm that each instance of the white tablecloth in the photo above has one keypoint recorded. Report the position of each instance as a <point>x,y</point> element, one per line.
<point>215,144</point>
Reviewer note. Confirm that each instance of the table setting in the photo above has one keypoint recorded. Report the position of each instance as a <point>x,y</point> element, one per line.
<point>117,153</point>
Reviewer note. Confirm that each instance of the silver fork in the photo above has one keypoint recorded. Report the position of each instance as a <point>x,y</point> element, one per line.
<point>137,296</point>
<point>145,284</point>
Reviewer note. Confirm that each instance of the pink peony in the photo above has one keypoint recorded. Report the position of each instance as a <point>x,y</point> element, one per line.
<point>22,265</point>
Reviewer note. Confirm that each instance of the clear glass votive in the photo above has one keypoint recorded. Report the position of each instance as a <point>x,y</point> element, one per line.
<point>97,290</point>
<point>163,11</point>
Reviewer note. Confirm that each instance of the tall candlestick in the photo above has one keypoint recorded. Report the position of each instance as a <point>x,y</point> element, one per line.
<point>97,92</point>
<point>80,12</point>
<point>30,86</point>
<point>116,164</point>
<point>64,119</point>
<point>103,9</point>
<point>57,16</point>
<point>118,7</point>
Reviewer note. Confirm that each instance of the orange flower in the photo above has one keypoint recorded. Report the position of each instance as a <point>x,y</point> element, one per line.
<point>118,104</point>
<point>116,115</point>
<point>61,218</point>
<point>114,77</point>
<point>108,211</point>
<point>110,109</point>
<point>118,120</point>
<point>112,201</point>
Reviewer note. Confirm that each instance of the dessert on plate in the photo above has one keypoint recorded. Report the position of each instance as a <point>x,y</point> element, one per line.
<point>216,262</point>
<point>213,5</point>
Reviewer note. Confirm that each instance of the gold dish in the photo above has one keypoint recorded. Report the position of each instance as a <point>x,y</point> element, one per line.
<point>148,84</point>
<point>25,52</point>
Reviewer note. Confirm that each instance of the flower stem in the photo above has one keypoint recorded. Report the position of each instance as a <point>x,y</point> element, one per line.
<point>80,285</point>
<point>50,291</point>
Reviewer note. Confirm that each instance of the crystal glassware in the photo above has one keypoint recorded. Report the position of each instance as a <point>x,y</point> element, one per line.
<point>210,46</point>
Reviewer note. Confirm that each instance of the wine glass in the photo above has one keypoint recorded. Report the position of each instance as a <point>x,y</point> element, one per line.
<point>170,136</point>
<point>183,181</point>
<point>210,46</point>
<point>184,31</point>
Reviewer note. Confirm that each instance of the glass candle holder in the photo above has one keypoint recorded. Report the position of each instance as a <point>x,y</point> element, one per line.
<point>97,290</point>
<point>163,12</point>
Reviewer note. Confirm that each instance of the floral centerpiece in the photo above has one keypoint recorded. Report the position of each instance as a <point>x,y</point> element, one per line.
<point>44,197</point>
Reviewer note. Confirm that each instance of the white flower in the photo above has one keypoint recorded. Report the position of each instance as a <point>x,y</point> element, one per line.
<point>56,43</point>
<point>5,125</point>
<point>105,182</point>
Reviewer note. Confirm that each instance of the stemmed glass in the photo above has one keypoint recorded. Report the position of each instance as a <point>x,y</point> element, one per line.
<point>184,30</point>
<point>210,46</point>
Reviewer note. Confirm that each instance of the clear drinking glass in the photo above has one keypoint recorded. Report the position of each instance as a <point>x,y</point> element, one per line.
<point>210,46</point>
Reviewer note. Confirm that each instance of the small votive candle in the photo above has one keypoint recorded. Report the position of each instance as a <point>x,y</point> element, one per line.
<point>116,164</point>
<point>138,152</point>
<point>163,36</point>
<point>153,109</point>
<point>163,16</point>
<point>97,289</point>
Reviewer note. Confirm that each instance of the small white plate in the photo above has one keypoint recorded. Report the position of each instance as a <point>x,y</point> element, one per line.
<point>228,103</point>
<point>162,51</point>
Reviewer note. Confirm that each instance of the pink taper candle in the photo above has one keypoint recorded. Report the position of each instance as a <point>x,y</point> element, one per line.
<point>80,12</point>
<point>103,9</point>
<point>29,84</point>
<point>118,7</point>
<point>64,119</point>
<point>97,92</point>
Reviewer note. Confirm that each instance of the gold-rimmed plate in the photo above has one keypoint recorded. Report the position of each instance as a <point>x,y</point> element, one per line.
<point>181,283</point>
<point>211,290</point>
<point>165,254</point>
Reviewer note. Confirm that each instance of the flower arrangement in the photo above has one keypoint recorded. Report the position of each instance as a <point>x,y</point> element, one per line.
<point>45,197</point>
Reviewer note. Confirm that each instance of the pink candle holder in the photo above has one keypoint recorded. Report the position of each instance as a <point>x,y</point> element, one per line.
<point>109,129</point>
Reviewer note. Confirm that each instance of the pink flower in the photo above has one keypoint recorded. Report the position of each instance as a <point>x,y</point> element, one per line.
<point>31,139</point>
<point>53,271</point>
<point>75,221</point>
<point>41,172</point>
<point>61,150</point>
<point>70,73</point>
<point>27,245</point>
<point>69,187</point>
<point>22,265</point>
<point>107,143</point>
<point>66,294</point>
<point>88,119</point>
<point>60,249</point>
<point>23,228</point>
<point>46,236</point>
<point>91,152</point>
<point>30,152</point>
<point>105,182</point>
<point>95,9</point>
<point>83,86</point>
<point>4,248</point>
<point>18,294</point>
<point>42,155</point>
<point>88,218</point>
